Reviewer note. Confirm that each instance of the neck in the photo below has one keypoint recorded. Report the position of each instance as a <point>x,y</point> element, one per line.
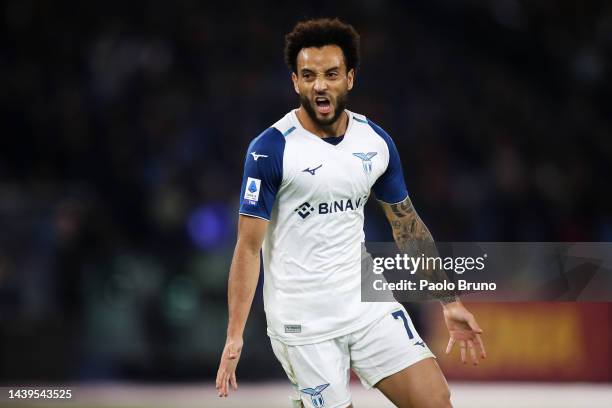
<point>337,128</point>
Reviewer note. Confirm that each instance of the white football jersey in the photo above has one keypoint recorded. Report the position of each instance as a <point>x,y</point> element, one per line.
<point>313,193</point>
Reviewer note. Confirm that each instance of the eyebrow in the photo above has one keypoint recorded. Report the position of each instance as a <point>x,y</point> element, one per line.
<point>336,68</point>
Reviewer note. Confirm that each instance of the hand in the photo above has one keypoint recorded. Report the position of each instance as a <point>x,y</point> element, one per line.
<point>227,367</point>
<point>463,328</point>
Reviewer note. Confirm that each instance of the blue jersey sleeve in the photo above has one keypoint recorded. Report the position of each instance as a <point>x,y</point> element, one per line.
<point>390,186</point>
<point>263,173</point>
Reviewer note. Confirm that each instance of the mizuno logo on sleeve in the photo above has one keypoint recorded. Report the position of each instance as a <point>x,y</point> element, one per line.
<point>257,156</point>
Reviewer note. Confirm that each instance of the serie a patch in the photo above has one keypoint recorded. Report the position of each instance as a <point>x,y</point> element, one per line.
<point>251,192</point>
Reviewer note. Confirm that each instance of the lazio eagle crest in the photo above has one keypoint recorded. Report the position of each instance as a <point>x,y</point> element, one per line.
<point>366,160</point>
<point>315,395</point>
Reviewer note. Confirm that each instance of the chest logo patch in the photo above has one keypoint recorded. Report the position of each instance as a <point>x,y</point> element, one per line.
<point>304,210</point>
<point>366,160</point>
<point>312,171</point>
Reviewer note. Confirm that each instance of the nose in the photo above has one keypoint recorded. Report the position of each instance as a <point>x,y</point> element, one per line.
<point>320,84</point>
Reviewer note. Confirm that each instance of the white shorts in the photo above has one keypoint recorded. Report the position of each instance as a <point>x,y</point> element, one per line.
<point>320,372</point>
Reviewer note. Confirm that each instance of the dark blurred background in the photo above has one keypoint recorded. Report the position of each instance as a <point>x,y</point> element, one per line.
<point>124,127</point>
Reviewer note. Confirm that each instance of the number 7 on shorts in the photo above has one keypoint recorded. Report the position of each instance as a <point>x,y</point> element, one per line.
<point>400,314</point>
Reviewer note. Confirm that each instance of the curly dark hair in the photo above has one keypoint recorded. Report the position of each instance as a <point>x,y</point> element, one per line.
<point>320,32</point>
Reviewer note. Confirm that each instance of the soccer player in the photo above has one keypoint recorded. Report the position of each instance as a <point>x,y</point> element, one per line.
<point>306,180</point>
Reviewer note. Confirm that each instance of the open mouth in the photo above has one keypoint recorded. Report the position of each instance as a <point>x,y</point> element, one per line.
<point>323,105</point>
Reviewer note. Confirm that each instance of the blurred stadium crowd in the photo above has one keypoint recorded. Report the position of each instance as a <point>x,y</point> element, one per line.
<point>124,128</point>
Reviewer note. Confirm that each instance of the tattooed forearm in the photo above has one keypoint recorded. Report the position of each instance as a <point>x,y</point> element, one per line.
<point>402,209</point>
<point>408,228</point>
<point>413,237</point>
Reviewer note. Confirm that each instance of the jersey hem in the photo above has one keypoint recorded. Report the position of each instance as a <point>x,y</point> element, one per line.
<point>337,333</point>
<point>253,215</point>
<point>397,202</point>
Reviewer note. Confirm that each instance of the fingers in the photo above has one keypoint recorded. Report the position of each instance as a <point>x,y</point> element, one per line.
<point>221,384</point>
<point>223,378</point>
<point>472,349</point>
<point>224,386</point>
<point>233,381</point>
<point>219,380</point>
<point>451,343</point>
<point>226,376</point>
<point>478,341</point>
<point>468,341</point>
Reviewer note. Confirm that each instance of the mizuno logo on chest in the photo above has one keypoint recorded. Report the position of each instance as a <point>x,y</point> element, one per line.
<point>312,171</point>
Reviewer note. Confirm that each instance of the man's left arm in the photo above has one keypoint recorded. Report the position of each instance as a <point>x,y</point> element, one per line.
<point>412,236</point>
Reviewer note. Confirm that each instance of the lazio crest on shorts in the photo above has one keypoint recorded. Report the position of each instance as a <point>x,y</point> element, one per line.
<point>315,395</point>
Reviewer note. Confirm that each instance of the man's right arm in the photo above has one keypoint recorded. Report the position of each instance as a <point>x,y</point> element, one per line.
<point>242,283</point>
<point>262,177</point>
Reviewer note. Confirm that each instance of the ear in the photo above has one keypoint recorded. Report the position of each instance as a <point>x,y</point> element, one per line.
<point>294,78</point>
<point>350,78</point>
